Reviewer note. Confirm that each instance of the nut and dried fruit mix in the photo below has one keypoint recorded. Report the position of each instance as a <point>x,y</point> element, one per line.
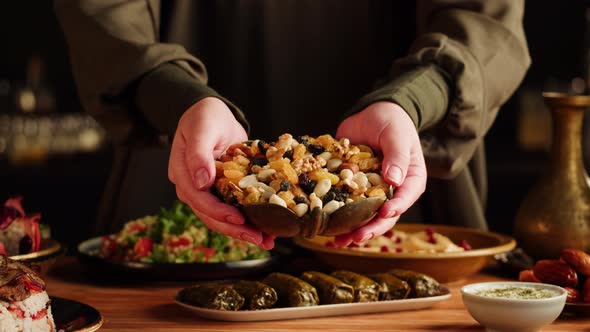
<point>301,173</point>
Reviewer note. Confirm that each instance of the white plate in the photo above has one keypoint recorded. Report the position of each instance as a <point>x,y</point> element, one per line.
<point>319,310</point>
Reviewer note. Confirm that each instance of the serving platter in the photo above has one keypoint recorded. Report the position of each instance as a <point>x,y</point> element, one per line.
<point>576,309</point>
<point>324,310</point>
<point>45,257</point>
<point>74,316</point>
<point>444,267</point>
<point>88,253</point>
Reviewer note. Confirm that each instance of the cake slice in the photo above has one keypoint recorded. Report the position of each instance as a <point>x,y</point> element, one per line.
<point>24,304</point>
<point>19,232</point>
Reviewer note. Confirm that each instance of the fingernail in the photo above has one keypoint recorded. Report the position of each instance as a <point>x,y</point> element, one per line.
<point>394,174</point>
<point>366,238</point>
<point>201,178</point>
<point>249,238</point>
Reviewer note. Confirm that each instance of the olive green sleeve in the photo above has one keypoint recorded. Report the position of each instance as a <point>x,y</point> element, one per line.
<point>117,58</point>
<point>468,58</point>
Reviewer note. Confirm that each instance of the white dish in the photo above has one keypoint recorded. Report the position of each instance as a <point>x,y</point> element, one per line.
<point>319,310</point>
<point>500,314</point>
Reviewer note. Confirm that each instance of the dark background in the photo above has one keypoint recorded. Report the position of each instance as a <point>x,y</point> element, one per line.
<point>66,188</point>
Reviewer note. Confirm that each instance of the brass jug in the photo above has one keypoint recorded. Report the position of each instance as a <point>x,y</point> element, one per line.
<point>555,214</point>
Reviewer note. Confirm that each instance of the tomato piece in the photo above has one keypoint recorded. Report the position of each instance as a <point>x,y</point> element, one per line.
<point>179,242</point>
<point>3,249</point>
<point>137,227</point>
<point>108,246</point>
<point>207,252</point>
<point>143,247</point>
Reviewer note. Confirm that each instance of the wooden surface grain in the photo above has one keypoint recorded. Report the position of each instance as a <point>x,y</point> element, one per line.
<point>138,306</point>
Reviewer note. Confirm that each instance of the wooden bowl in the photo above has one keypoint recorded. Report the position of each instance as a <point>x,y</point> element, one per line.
<point>444,267</point>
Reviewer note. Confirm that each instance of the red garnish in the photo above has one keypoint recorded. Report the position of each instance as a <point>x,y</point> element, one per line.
<point>207,252</point>
<point>398,250</point>
<point>367,245</point>
<point>2,249</point>
<point>384,249</point>
<point>330,244</point>
<point>137,227</point>
<point>18,312</point>
<point>388,234</point>
<point>429,231</point>
<point>143,247</point>
<point>40,314</point>
<point>353,245</point>
<point>179,242</point>
<point>398,240</point>
<point>108,246</point>
<point>31,285</point>
<point>465,245</point>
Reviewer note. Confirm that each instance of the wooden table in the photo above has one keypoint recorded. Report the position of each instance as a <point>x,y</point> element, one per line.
<point>150,307</point>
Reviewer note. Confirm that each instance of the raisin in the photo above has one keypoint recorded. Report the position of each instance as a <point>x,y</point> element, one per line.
<point>288,154</point>
<point>338,194</point>
<point>261,146</point>
<point>301,199</point>
<point>329,196</point>
<point>306,183</point>
<point>259,161</point>
<point>284,186</point>
<point>301,139</point>
<point>315,149</point>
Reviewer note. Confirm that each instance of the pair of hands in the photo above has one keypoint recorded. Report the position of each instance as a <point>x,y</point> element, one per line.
<point>209,127</point>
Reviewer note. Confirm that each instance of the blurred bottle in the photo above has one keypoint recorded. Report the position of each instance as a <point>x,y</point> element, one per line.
<point>35,95</point>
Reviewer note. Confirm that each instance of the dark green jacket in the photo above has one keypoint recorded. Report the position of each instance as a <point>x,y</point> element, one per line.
<point>450,64</point>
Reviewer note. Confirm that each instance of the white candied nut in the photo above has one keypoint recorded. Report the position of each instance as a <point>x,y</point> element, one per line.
<point>312,196</point>
<point>360,178</point>
<point>300,209</point>
<point>315,202</point>
<point>333,164</point>
<point>349,200</point>
<point>247,181</point>
<point>351,184</point>
<point>265,174</point>
<point>322,187</point>
<point>341,204</point>
<point>274,199</point>
<point>325,155</point>
<point>346,174</point>
<point>345,142</point>
<point>294,143</point>
<point>255,143</point>
<point>375,179</point>
<point>330,207</point>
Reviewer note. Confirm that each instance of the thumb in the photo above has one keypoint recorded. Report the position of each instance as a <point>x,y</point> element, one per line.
<point>200,162</point>
<point>396,156</point>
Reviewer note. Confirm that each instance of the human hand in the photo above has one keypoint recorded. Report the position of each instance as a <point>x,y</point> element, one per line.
<point>204,132</point>
<point>386,127</point>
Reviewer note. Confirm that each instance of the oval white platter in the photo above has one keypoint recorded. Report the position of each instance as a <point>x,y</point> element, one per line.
<point>324,310</point>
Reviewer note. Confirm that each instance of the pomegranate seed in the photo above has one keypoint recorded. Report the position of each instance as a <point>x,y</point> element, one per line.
<point>465,245</point>
<point>399,249</point>
<point>367,245</point>
<point>353,245</point>
<point>384,249</point>
<point>388,234</point>
<point>398,240</point>
<point>429,231</point>
<point>431,239</point>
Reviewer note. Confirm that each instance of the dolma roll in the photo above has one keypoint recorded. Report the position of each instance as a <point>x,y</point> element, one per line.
<point>422,285</point>
<point>212,296</point>
<point>365,289</point>
<point>256,294</point>
<point>292,291</point>
<point>330,290</point>
<point>390,286</point>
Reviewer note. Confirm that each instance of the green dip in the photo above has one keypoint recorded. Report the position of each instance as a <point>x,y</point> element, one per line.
<point>524,293</point>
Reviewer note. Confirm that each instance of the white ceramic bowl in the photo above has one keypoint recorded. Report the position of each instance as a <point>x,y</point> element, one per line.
<point>499,314</point>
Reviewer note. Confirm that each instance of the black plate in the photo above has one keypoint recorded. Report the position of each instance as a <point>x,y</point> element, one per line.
<point>89,249</point>
<point>73,316</point>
